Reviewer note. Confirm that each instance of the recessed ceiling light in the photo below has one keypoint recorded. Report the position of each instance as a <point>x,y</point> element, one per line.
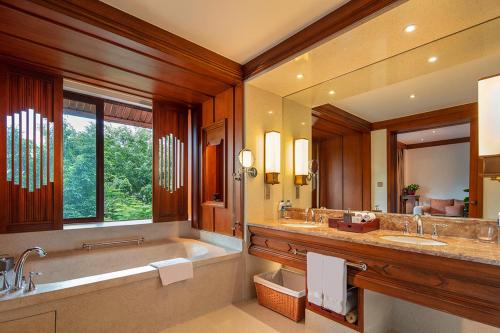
<point>412,96</point>
<point>332,92</point>
<point>300,76</point>
<point>303,123</point>
<point>270,111</point>
<point>432,59</point>
<point>410,28</point>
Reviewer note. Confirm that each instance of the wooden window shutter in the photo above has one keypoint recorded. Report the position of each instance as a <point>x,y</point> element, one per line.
<point>30,150</point>
<point>170,162</point>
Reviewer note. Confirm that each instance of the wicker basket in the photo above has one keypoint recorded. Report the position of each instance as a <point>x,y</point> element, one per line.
<point>274,294</point>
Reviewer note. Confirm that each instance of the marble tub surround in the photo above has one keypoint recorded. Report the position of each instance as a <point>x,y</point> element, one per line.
<point>82,285</point>
<point>456,226</point>
<point>456,248</point>
<point>71,239</point>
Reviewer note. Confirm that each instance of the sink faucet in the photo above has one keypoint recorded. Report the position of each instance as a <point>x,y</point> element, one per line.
<point>19,267</point>
<point>420,227</point>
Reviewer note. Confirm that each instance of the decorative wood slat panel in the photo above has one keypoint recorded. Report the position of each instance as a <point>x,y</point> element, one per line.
<point>170,202</point>
<point>33,193</point>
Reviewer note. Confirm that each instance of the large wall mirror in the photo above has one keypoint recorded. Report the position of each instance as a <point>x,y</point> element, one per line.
<point>399,134</point>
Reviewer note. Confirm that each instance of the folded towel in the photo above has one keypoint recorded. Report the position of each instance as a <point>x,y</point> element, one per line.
<point>335,284</point>
<point>315,278</point>
<point>174,270</point>
<point>365,216</point>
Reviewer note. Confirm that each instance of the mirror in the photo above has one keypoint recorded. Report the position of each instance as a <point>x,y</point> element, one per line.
<point>396,134</point>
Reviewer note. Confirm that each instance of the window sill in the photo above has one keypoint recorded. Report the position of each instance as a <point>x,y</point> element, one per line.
<point>73,226</point>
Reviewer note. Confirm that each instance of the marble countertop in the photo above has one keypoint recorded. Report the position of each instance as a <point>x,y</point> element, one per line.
<point>456,248</point>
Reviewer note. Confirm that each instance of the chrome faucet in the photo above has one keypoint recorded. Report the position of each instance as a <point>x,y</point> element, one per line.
<point>19,267</point>
<point>420,227</point>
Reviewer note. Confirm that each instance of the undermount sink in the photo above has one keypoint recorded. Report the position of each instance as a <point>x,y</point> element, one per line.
<point>300,225</point>
<point>413,240</point>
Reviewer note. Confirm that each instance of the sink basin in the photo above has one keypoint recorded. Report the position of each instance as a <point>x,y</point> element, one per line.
<point>413,240</point>
<point>300,225</point>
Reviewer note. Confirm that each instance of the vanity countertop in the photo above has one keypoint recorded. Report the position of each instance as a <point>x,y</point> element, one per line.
<point>456,248</point>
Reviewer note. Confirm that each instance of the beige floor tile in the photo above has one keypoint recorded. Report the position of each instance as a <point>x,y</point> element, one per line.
<point>247,317</point>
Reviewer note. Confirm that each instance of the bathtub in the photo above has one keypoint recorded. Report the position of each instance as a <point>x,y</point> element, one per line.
<point>115,289</point>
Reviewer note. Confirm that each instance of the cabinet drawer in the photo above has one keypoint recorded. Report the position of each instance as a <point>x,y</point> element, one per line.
<point>41,323</point>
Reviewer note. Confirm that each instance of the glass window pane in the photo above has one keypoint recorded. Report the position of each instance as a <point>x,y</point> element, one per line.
<point>128,169</point>
<point>79,155</point>
<point>9,148</point>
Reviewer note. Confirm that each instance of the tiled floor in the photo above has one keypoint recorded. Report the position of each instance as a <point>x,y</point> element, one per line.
<point>248,317</point>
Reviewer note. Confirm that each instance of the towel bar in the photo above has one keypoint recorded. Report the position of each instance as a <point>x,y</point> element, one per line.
<point>361,266</point>
<point>90,246</point>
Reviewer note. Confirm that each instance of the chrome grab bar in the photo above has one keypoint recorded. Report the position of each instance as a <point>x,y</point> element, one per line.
<point>361,266</point>
<point>90,246</point>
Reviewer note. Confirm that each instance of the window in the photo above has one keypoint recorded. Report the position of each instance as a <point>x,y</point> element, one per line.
<point>108,165</point>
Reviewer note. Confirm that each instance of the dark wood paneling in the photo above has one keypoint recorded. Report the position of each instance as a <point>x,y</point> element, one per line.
<point>239,135</point>
<point>350,13</point>
<point>40,209</point>
<point>436,143</point>
<point>118,50</point>
<point>340,117</point>
<point>169,119</point>
<point>98,19</point>
<point>463,288</point>
<point>352,171</point>
<point>331,173</point>
<point>227,107</point>
<point>454,115</point>
<point>475,171</point>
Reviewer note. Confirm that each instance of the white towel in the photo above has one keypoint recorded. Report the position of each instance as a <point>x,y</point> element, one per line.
<point>315,278</point>
<point>335,284</point>
<point>366,216</point>
<point>174,270</point>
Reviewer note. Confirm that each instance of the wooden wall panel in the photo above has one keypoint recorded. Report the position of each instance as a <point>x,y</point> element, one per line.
<point>39,208</point>
<point>228,107</point>
<point>331,173</point>
<point>366,160</point>
<point>353,172</point>
<point>169,119</point>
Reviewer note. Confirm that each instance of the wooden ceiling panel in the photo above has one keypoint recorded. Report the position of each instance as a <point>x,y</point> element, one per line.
<point>81,67</point>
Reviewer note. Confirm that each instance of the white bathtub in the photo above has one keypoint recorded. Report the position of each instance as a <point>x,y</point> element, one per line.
<point>72,278</point>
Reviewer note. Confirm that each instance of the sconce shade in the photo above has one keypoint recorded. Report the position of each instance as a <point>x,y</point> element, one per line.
<point>489,116</point>
<point>246,158</point>
<point>301,157</point>
<point>272,163</point>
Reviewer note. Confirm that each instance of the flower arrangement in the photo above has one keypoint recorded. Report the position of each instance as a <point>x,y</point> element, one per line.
<point>412,188</point>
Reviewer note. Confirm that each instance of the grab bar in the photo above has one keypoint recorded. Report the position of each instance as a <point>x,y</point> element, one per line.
<point>361,266</point>
<point>90,246</point>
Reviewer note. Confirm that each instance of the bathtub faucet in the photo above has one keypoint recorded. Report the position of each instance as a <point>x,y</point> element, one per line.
<point>19,267</point>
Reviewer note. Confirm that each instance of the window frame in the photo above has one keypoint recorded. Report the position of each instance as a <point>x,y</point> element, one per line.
<point>99,103</point>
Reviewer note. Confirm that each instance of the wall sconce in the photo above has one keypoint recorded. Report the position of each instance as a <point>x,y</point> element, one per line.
<point>246,159</point>
<point>272,148</point>
<point>488,119</point>
<point>301,158</point>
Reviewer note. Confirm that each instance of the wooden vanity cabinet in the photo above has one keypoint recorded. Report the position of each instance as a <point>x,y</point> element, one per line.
<point>463,288</point>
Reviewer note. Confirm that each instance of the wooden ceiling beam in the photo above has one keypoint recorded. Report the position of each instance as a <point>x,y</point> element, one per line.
<point>352,12</point>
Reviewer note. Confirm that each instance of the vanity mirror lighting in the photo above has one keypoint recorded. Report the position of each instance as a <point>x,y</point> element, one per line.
<point>272,163</point>
<point>488,120</point>
<point>301,157</point>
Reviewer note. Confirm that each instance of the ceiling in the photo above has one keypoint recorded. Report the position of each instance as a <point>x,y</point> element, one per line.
<point>237,29</point>
<point>436,134</point>
<point>376,39</point>
<point>383,90</point>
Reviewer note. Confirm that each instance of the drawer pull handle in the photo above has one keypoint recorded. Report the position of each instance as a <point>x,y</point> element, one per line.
<point>361,265</point>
